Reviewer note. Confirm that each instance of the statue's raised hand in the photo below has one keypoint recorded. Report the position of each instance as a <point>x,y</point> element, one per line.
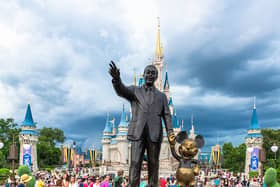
<point>114,71</point>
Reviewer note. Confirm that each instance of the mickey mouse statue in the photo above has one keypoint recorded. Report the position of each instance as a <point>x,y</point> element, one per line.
<point>188,167</point>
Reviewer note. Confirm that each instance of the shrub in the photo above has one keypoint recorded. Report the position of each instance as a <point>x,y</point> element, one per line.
<point>4,174</point>
<point>23,170</point>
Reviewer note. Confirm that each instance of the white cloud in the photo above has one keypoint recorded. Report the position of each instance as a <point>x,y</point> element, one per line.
<point>56,53</point>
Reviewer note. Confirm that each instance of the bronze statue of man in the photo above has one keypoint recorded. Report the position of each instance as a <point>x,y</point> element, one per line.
<point>149,106</point>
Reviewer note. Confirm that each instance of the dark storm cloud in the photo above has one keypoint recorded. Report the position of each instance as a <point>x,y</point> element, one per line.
<point>229,73</point>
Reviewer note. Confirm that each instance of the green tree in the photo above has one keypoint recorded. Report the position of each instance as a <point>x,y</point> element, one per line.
<point>8,130</point>
<point>23,170</point>
<point>234,157</point>
<point>271,136</point>
<point>48,154</point>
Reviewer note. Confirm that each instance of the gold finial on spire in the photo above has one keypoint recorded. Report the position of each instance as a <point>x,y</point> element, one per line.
<point>159,49</point>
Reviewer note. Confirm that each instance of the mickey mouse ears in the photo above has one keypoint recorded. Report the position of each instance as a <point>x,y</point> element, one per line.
<point>181,136</point>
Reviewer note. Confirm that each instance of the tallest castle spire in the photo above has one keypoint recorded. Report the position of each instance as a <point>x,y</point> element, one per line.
<point>159,49</point>
<point>158,60</point>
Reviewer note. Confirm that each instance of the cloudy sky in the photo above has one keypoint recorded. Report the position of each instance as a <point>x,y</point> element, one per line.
<point>220,54</point>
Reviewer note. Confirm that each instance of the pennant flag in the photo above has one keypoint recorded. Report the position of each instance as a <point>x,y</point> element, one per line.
<point>91,154</point>
<point>65,154</point>
<point>71,154</point>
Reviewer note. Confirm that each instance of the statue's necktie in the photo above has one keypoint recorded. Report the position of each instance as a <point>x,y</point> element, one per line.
<point>150,96</point>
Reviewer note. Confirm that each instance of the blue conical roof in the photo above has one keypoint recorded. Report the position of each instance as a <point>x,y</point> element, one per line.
<point>254,120</point>
<point>108,125</point>
<point>123,122</point>
<point>141,81</point>
<point>166,82</point>
<point>174,119</point>
<point>170,103</point>
<point>28,120</point>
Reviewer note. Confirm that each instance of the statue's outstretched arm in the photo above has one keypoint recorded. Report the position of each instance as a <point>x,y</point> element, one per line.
<point>120,88</point>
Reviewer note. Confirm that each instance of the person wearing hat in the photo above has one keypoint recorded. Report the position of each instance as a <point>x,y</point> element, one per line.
<point>24,179</point>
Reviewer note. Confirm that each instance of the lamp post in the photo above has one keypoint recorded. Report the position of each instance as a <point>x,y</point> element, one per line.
<point>13,155</point>
<point>274,148</point>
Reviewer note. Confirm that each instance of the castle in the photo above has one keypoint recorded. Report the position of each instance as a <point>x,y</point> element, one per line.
<point>116,147</point>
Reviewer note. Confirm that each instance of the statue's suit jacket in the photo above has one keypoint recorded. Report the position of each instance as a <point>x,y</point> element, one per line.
<point>145,112</point>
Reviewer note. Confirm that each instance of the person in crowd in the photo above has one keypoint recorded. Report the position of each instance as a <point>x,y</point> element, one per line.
<point>85,182</point>
<point>119,180</point>
<point>217,181</point>
<point>65,180</point>
<point>81,182</point>
<point>172,182</point>
<point>24,179</point>
<point>105,182</point>
<point>97,182</point>
<point>144,182</point>
<point>226,182</point>
<point>162,182</point>
<point>72,182</point>
<point>39,181</point>
<point>91,182</point>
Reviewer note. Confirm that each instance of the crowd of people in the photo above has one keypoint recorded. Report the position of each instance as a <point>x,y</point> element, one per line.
<point>84,177</point>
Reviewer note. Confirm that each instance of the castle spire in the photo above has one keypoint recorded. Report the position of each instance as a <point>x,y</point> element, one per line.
<point>159,50</point>
<point>28,120</point>
<point>255,103</point>
<point>108,125</point>
<point>123,122</point>
<point>166,83</point>
<point>254,119</point>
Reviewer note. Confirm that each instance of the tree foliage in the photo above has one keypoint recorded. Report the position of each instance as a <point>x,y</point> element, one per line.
<point>271,136</point>
<point>8,130</point>
<point>48,154</point>
<point>51,135</point>
<point>23,170</point>
<point>234,157</point>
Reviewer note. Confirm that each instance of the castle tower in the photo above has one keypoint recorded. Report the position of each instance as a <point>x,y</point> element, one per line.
<point>28,139</point>
<point>114,129</point>
<point>158,60</point>
<point>254,142</point>
<point>192,134</point>
<point>122,138</point>
<point>106,140</point>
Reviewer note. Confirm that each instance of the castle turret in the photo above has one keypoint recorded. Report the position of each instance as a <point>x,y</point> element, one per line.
<point>254,142</point>
<point>158,60</point>
<point>192,134</point>
<point>28,139</point>
<point>141,81</point>
<point>171,105</point>
<point>166,86</point>
<point>106,140</point>
<point>122,138</point>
